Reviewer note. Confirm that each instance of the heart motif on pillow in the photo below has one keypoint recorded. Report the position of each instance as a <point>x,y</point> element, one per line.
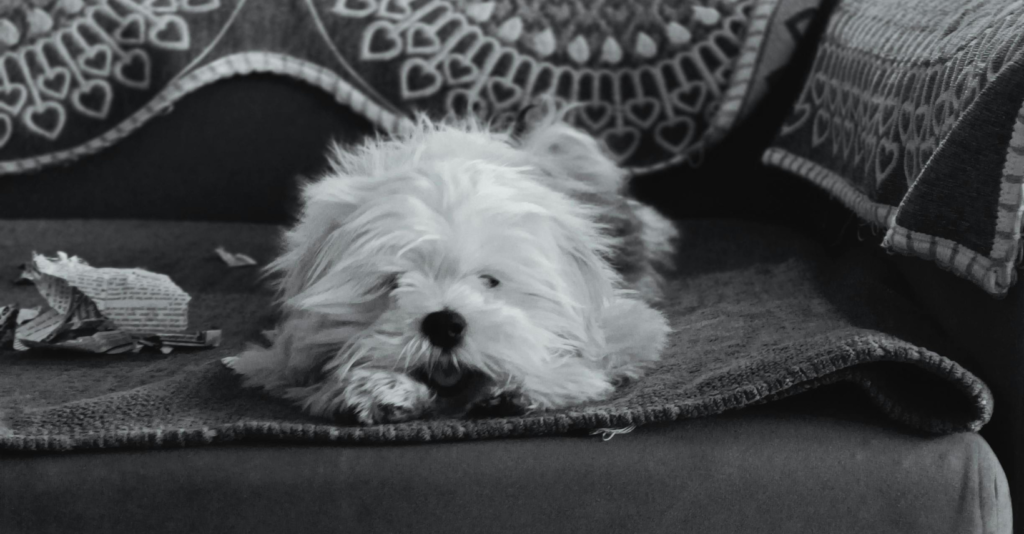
<point>134,69</point>
<point>12,98</point>
<point>690,98</point>
<point>380,42</point>
<point>621,141</point>
<point>96,61</point>
<point>54,83</point>
<point>643,111</point>
<point>676,134</point>
<point>459,70</point>
<point>419,79</point>
<point>503,93</point>
<point>45,118</point>
<point>421,40</point>
<point>595,114</point>
<point>822,127</point>
<point>885,159</point>
<point>170,32</point>
<point>132,31</point>
<point>93,99</point>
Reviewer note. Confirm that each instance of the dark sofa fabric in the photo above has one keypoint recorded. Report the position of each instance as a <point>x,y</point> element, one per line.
<point>992,328</point>
<point>823,462</point>
<point>231,152</point>
<point>820,461</point>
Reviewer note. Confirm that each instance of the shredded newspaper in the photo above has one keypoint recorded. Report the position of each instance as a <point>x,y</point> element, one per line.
<point>101,310</point>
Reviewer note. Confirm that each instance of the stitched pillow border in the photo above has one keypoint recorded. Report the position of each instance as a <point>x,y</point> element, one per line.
<point>734,100</point>
<point>995,272</point>
<point>755,64</point>
<point>220,69</point>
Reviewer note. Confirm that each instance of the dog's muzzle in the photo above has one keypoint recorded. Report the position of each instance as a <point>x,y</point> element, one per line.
<point>457,388</point>
<point>466,392</point>
<point>447,378</point>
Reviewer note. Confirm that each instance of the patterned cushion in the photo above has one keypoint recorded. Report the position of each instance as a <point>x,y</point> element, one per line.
<point>912,116</point>
<point>657,80</point>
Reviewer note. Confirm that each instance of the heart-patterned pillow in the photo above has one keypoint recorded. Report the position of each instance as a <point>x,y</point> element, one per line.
<point>656,82</point>
<point>912,116</point>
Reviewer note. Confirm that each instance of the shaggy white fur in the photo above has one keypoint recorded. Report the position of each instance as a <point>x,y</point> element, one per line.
<point>436,271</point>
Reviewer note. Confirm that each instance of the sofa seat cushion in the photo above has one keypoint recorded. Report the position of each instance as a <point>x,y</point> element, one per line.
<point>758,312</point>
<point>819,462</point>
<point>826,460</point>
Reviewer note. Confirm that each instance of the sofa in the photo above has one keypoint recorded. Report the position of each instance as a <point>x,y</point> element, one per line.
<point>849,441</point>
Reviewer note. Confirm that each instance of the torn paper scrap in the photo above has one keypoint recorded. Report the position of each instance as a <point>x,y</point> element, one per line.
<point>101,310</point>
<point>233,259</point>
<point>79,318</point>
<point>136,300</point>
<point>104,342</point>
<point>206,338</point>
<point>38,330</point>
<point>27,314</point>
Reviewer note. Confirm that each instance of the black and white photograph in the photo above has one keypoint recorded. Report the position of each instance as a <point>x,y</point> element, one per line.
<point>511,266</point>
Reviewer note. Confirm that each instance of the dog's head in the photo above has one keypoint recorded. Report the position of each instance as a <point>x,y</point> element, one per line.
<point>446,252</point>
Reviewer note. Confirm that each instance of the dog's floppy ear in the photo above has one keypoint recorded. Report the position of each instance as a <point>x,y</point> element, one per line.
<point>327,204</point>
<point>572,157</point>
<point>591,280</point>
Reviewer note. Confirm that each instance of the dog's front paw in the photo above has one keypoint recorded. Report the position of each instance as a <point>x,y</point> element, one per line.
<point>379,396</point>
<point>372,396</point>
<point>501,403</point>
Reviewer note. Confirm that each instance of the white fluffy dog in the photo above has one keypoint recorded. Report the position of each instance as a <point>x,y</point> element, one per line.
<point>457,268</point>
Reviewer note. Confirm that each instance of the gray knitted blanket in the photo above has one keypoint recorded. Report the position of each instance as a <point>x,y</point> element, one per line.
<point>758,314</point>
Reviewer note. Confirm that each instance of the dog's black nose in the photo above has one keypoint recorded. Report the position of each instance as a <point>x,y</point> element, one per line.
<point>444,328</point>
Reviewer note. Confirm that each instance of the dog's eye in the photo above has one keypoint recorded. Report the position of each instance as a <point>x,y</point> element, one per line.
<point>489,280</point>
